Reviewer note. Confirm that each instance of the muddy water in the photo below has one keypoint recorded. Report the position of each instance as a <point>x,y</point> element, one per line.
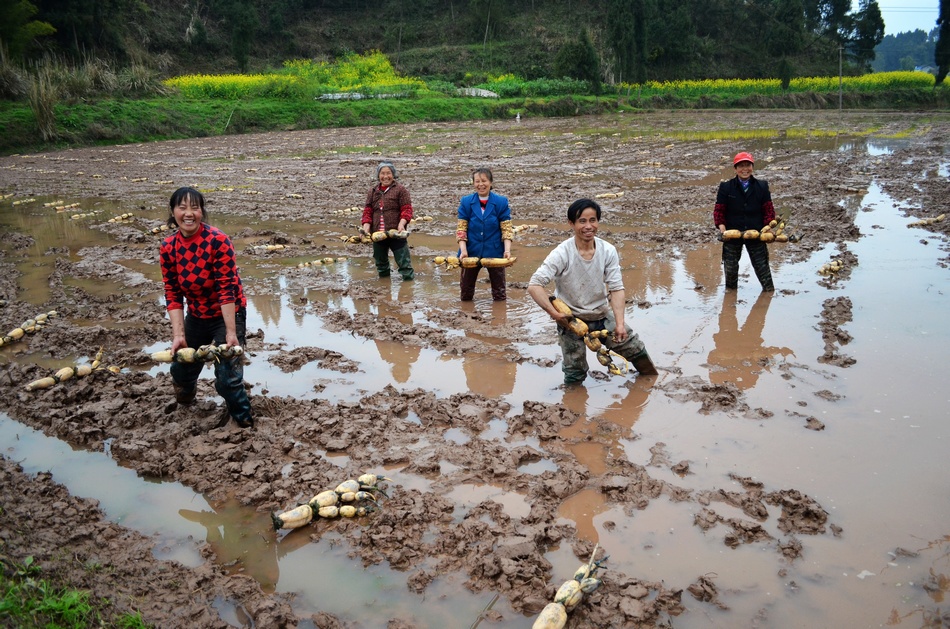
<point>876,467</point>
<point>242,539</point>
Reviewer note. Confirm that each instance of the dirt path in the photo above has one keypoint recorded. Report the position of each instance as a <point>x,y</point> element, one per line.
<point>276,180</point>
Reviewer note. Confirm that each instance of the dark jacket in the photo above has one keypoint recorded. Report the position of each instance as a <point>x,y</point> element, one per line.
<point>743,209</point>
<point>391,205</point>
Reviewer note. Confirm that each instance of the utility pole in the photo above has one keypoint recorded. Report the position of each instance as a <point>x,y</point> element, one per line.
<point>840,70</point>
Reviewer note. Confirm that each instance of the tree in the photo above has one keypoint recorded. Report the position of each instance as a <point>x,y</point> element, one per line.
<point>627,37</point>
<point>785,71</point>
<point>241,20</point>
<point>894,51</point>
<point>91,26</point>
<point>942,50</point>
<point>579,60</point>
<point>868,32</point>
<point>621,36</point>
<point>486,16</point>
<point>828,17</point>
<point>17,29</point>
<point>784,27</point>
<point>640,38</point>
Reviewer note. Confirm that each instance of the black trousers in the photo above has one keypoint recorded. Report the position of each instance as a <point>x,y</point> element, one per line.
<point>758,254</point>
<point>228,374</point>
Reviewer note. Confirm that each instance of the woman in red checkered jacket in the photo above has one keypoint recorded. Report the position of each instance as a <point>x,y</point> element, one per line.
<point>199,267</point>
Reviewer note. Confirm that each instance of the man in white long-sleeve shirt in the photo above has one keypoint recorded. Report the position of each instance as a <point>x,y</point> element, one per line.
<point>586,274</point>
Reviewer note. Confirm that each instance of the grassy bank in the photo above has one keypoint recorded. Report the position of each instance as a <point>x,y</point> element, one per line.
<point>29,601</point>
<point>125,121</point>
<point>120,121</point>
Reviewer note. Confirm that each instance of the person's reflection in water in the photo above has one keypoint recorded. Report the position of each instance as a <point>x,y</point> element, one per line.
<point>490,375</point>
<point>400,354</point>
<point>243,540</point>
<point>739,355</point>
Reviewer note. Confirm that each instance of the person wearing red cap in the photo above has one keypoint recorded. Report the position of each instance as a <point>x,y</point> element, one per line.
<point>743,203</point>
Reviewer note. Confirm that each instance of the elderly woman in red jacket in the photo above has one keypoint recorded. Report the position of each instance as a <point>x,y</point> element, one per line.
<point>484,231</point>
<point>387,207</point>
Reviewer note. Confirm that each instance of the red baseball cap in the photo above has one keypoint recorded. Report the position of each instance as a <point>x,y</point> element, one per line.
<point>743,157</point>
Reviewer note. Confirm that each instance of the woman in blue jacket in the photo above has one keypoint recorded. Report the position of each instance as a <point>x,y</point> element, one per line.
<point>484,231</point>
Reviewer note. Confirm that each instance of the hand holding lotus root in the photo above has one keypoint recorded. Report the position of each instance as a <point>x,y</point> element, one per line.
<point>205,353</point>
<point>592,339</point>
<point>472,262</point>
<point>389,233</point>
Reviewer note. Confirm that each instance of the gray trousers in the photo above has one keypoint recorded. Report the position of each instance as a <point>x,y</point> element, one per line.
<point>575,365</point>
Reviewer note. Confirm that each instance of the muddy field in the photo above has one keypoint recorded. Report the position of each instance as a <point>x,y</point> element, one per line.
<point>350,373</point>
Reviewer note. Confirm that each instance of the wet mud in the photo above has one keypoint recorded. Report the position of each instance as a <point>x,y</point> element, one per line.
<point>256,185</point>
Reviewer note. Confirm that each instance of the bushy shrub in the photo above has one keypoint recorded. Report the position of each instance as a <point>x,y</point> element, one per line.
<point>43,97</point>
<point>13,81</point>
<point>511,86</point>
<point>139,79</point>
<point>442,87</point>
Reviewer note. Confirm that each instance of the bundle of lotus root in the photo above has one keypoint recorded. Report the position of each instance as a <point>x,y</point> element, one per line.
<point>27,327</point>
<point>773,232</point>
<point>205,353</point>
<point>471,262</point>
<point>570,594</point>
<point>592,339</point>
<point>67,373</point>
<point>345,500</point>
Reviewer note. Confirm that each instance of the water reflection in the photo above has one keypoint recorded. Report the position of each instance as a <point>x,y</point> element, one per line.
<point>740,353</point>
<point>595,443</point>
<point>489,375</point>
<point>243,540</point>
<point>703,266</point>
<point>400,355</point>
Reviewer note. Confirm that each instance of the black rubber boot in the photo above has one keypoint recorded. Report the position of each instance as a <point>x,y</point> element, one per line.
<point>759,254</point>
<point>644,365</point>
<point>229,382</point>
<point>404,262</point>
<point>731,252</point>
<point>183,395</point>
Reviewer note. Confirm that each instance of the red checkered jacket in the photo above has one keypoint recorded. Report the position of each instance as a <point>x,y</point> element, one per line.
<point>202,270</point>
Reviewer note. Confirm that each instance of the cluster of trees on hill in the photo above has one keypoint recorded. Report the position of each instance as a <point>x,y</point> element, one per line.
<point>906,51</point>
<point>634,40</point>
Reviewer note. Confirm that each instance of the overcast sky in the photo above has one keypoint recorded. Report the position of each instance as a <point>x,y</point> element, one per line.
<point>901,16</point>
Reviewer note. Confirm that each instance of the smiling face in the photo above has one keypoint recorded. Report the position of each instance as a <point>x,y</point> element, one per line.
<point>482,184</point>
<point>585,226</point>
<point>188,214</point>
<point>744,170</point>
<point>386,176</point>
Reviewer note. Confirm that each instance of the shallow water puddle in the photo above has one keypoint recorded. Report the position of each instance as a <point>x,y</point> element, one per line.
<point>151,508</point>
<point>312,562</point>
<point>468,495</point>
<point>877,439</point>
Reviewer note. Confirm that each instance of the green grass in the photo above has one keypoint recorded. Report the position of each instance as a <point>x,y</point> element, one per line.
<point>28,601</point>
<point>117,121</point>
